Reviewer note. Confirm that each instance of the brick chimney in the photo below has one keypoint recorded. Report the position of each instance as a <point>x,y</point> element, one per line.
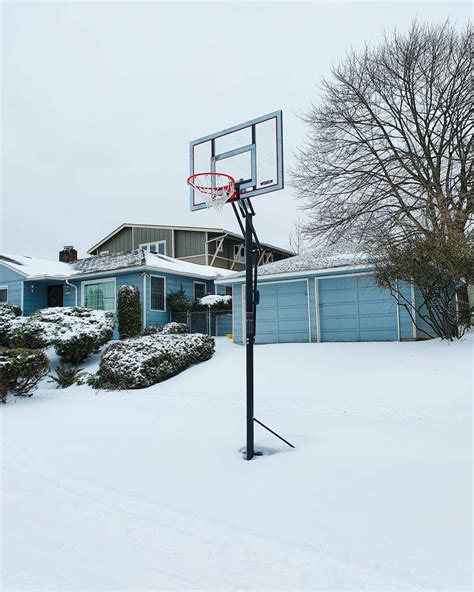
<point>68,254</point>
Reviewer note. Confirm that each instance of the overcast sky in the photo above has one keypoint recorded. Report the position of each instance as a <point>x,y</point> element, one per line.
<point>100,101</point>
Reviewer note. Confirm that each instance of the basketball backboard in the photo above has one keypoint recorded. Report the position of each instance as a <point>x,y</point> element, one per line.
<point>251,152</point>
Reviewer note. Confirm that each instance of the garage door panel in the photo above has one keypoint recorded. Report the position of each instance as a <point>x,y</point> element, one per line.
<point>337,310</point>
<point>282,314</point>
<point>341,336</point>
<point>377,308</point>
<point>373,294</point>
<point>299,325</point>
<point>335,296</point>
<point>355,309</point>
<point>293,313</point>
<point>292,300</point>
<point>377,322</point>
<point>377,335</point>
<point>342,283</point>
<point>340,323</point>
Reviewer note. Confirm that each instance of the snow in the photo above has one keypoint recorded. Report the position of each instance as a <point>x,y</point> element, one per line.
<point>164,263</point>
<point>212,299</point>
<point>341,255</point>
<point>147,490</point>
<point>33,267</point>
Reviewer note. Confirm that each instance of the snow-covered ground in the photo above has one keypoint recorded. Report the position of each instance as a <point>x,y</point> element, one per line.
<point>147,490</point>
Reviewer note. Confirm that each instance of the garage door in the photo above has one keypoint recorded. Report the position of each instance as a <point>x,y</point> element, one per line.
<point>282,315</point>
<point>355,309</point>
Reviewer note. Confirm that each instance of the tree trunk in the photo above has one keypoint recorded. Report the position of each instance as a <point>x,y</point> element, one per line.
<point>464,310</point>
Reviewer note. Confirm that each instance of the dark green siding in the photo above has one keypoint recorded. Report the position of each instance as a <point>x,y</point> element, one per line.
<point>149,235</point>
<point>189,243</point>
<point>122,241</point>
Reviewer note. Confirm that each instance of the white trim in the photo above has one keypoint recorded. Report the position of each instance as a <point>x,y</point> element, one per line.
<point>194,288</point>
<point>152,275</point>
<point>413,304</point>
<point>157,243</point>
<point>100,281</point>
<point>67,282</point>
<point>22,297</point>
<point>318,312</point>
<point>144,301</point>
<point>206,249</point>
<point>244,317</point>
<point>5,287</point>
<point>399,331</point>
<point>289,274</point>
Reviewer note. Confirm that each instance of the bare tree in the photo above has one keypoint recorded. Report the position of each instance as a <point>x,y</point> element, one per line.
<point>389,152</point>
<point>297,239</point>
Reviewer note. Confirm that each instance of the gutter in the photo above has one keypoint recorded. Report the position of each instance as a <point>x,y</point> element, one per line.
<point>271,276</point>
<point>67,282</point>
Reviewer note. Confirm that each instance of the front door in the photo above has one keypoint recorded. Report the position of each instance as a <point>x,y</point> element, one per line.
<point>55,295</point>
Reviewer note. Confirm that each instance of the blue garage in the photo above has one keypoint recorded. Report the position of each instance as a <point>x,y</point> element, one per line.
<point>324,296</point>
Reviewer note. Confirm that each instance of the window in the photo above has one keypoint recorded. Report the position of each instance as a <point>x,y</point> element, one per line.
<point>228,290</point>
<point>158,287</point>
<point>156,247</point>
<point>99,294</point>
<point>239,253</point>
<point>220,246</point>
<point>267,258</point>
<point>3,294</point>
<point>199,290</point>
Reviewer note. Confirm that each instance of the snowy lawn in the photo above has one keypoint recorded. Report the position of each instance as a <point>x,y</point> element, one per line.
<point>147,490</point>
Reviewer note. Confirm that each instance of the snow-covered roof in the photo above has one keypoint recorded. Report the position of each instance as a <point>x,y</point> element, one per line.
<point>35,268</point>
<point>340,255</point>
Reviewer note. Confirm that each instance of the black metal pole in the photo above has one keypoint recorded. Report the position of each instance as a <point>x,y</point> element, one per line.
<point>250,329</point>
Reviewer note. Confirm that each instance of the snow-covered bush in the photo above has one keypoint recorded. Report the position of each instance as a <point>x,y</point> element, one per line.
<point>144,361</point>
<point>129,313</point>
<point>27,333</point>
<point>21,370</point>
<point>152,329</point>
<point>175,329</point>
<point>75,332</point>
<point>8,314</point>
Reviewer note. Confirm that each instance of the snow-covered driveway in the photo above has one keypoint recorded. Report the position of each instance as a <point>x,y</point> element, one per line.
<point>147,490</point>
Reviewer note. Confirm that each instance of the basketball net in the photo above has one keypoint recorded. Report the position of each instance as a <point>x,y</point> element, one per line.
<point>215,188</point>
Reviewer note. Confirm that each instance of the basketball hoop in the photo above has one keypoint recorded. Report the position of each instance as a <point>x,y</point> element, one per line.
<point>215,188</point>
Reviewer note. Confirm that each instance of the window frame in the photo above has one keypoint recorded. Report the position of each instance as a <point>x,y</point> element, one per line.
<point>85,283</point>
<point>155,275</point>
<point>194,289</point>
<point>146,247</point>
<point>239,253</point>
<point>4,287</point>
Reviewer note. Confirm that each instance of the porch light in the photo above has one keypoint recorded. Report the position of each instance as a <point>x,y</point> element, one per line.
<point>32,288</point>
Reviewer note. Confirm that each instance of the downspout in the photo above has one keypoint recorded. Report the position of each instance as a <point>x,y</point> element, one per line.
<point>144,299</point>
<point>68,283</point>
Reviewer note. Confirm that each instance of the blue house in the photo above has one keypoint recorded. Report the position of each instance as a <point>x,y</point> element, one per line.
<point>33,283</point>
<point>327,295</point>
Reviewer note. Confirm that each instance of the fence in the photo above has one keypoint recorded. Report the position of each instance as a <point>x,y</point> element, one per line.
<point>217,323</point>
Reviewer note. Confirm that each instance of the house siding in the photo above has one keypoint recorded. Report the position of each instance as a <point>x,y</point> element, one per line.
<point>149,235</point>
<point>122,241</point>
<point>14,282</point>
<point>189,243</point>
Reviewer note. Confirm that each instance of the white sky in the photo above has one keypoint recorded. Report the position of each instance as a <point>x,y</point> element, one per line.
<point>100,101</point>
